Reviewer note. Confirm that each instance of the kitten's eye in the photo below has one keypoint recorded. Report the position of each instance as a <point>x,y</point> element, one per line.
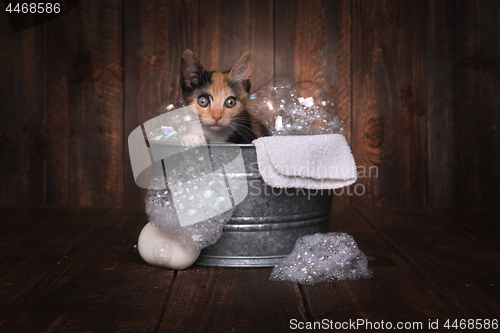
<point>230,102</point>
<point>203,101</point>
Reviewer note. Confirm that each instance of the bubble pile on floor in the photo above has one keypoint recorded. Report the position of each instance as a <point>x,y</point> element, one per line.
<point>322,258</point>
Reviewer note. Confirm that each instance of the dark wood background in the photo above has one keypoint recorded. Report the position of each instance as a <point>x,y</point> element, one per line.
<point>417,82</point>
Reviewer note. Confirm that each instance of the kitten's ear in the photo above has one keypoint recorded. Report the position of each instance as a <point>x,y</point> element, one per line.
<point>241,71</point>
<point>191,71</point>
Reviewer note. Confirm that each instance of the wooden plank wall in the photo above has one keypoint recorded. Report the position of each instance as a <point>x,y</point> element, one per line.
<point>416,82</point>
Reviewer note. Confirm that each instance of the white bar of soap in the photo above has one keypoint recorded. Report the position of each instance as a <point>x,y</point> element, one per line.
<point>160,250</point>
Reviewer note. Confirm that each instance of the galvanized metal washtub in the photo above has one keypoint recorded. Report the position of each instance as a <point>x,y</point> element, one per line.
<point>266,224</point>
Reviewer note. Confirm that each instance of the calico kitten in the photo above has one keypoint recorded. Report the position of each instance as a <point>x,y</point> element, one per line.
<point>220,99</point>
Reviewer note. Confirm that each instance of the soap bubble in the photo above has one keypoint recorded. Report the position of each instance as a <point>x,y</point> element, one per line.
<point>161,128</point>
<point>313,87</point>
<point>279,85</point>
<point>336,124</point>
<point>322,258</point>
<point>324,99</point>
<point>295,109</point>
<point>177,103</point>
<point>304,97</point>
<point>263,106</point>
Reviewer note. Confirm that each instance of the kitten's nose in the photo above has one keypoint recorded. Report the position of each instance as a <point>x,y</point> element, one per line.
<point>216,118</point>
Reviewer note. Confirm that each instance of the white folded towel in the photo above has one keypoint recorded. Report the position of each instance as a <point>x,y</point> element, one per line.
<point>309,161</point>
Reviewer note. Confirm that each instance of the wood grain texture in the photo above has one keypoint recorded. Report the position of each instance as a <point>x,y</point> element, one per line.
<point>228,29</point>
<point>414,81</point>
<point>483,222</point>
<point>313,43</point>
<point>85,106</point>
<point>76,269</point>
<point>10,213</point>
<point>156,34</point>
<point>23,130</point>
<point>441,64</point>
<point>388,116</point>
<point>207,299</point>
<point>478,103</point>
<point>406,295</point>
<point>34,243</point>
<point>102,285</point>
<point>464,270</point>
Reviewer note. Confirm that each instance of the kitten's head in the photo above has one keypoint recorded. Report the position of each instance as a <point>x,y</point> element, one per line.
<point>217,96</point>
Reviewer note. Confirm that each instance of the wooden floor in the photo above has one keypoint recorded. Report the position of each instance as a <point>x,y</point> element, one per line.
<point>77,270</point>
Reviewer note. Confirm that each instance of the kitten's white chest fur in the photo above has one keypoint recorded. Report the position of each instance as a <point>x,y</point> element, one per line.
<point>215,136</point>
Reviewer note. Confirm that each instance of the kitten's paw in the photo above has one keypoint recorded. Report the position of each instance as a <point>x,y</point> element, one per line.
<point>193,140</point>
